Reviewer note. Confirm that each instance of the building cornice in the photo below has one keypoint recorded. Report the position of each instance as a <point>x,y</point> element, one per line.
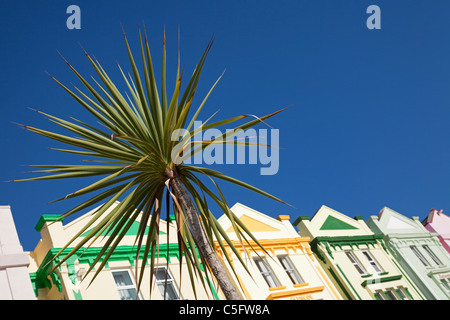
<point>330,242</point>
<point>270,245</point>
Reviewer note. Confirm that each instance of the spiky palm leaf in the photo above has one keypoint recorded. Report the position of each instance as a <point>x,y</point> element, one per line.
<point>134,152</point>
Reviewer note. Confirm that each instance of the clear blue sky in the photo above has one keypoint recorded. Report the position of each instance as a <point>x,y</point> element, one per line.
<point>371,116</point>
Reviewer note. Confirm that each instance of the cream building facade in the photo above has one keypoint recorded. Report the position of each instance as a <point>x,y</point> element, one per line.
<point>418,251</point>
<point>117,280</point>
<point>289,270</point>
<point>355,258</point>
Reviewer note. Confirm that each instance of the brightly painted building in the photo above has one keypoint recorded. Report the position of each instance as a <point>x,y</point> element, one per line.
<point>355,258</point>
<point>437,221</point>
<point>117,280</point>
<point>15,283</point>
<point>418,251</point>
<point>289,270</point>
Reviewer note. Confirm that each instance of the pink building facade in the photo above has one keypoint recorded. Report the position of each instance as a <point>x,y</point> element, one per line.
<point>438,222</point>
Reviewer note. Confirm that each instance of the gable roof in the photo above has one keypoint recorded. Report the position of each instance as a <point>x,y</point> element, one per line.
<point>71,229</point>
<point>390,221</point>
<point>433,213</point>
<point>329,222</point>
<point>259,224</point>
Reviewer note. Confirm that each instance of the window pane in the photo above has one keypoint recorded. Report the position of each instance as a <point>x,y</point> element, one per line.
<point>290,270</point>
<point>372,261</point>
<point>380,295</point>
<point>166,286</point>
<point>125,285</point>
<point>420,256</point>
<point>122,278</point>
<point>350,256</point>
<point>266,273</point>
<point>432,255</point>
<point>262,266</point>
<point>401,292</point>
<point>170,291</point>
<point>161,274</point>
<point>391,294</point>
<point>128,294</point>
<point>446,284</point>
<point>355,262</point>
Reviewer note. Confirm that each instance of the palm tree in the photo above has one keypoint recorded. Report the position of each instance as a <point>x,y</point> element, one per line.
<point>134,150</point>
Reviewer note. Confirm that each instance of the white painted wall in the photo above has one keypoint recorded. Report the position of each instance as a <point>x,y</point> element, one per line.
<point>15,283</point>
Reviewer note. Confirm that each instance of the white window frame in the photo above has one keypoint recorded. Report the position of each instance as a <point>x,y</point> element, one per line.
<point>446,284</point>
<point>403,294</point>
<point>372,261</point>
<point>380,294</point>
<point>290,269</point>
<point>420,256</point>
<point>162,283</point>
<point>393,296</point>
<point>358,266</point>
<point>432,255</point>
<point>126,287</point>
<point>266,272</point>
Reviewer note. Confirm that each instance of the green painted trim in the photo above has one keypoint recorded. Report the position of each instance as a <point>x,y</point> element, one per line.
<point>338,281</point>
<point>211,286</point>
<point>380,280</point>
<point>387,296</point>
<point>340,241</point>
<point>349,283</point>
<point>409,293</point>
<point>300,218</point>
<point>314,245</point>
<point>46,218</point>
<point>333,223</point>
<point>42,279</point>
<point>410,282</point>
<point>34,283</point>
<point>77,295</point>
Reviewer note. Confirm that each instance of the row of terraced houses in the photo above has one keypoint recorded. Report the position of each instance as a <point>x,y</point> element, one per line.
<point>326,256</point>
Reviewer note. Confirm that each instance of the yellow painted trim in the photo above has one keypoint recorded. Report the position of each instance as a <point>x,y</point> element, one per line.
<point>283,217</point>
<point>291,293</point>
<point>277,288</point>
<point>298,243</point>
<point>328,284</point>
<point>254,225</point>
<point>298,285</point>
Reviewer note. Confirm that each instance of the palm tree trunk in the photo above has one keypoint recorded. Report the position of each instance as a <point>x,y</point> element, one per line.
<point>201,240</point>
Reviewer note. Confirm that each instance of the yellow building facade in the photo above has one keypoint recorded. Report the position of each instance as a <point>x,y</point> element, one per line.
<point>288,271</point>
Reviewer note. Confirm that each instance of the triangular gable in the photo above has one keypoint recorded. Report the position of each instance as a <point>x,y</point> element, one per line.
<point>333,223</point>
<point>329,222</point>
<point>393,222</point>
<point>254,221</point>
<point>74,226</point>
<point>254,225</point>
